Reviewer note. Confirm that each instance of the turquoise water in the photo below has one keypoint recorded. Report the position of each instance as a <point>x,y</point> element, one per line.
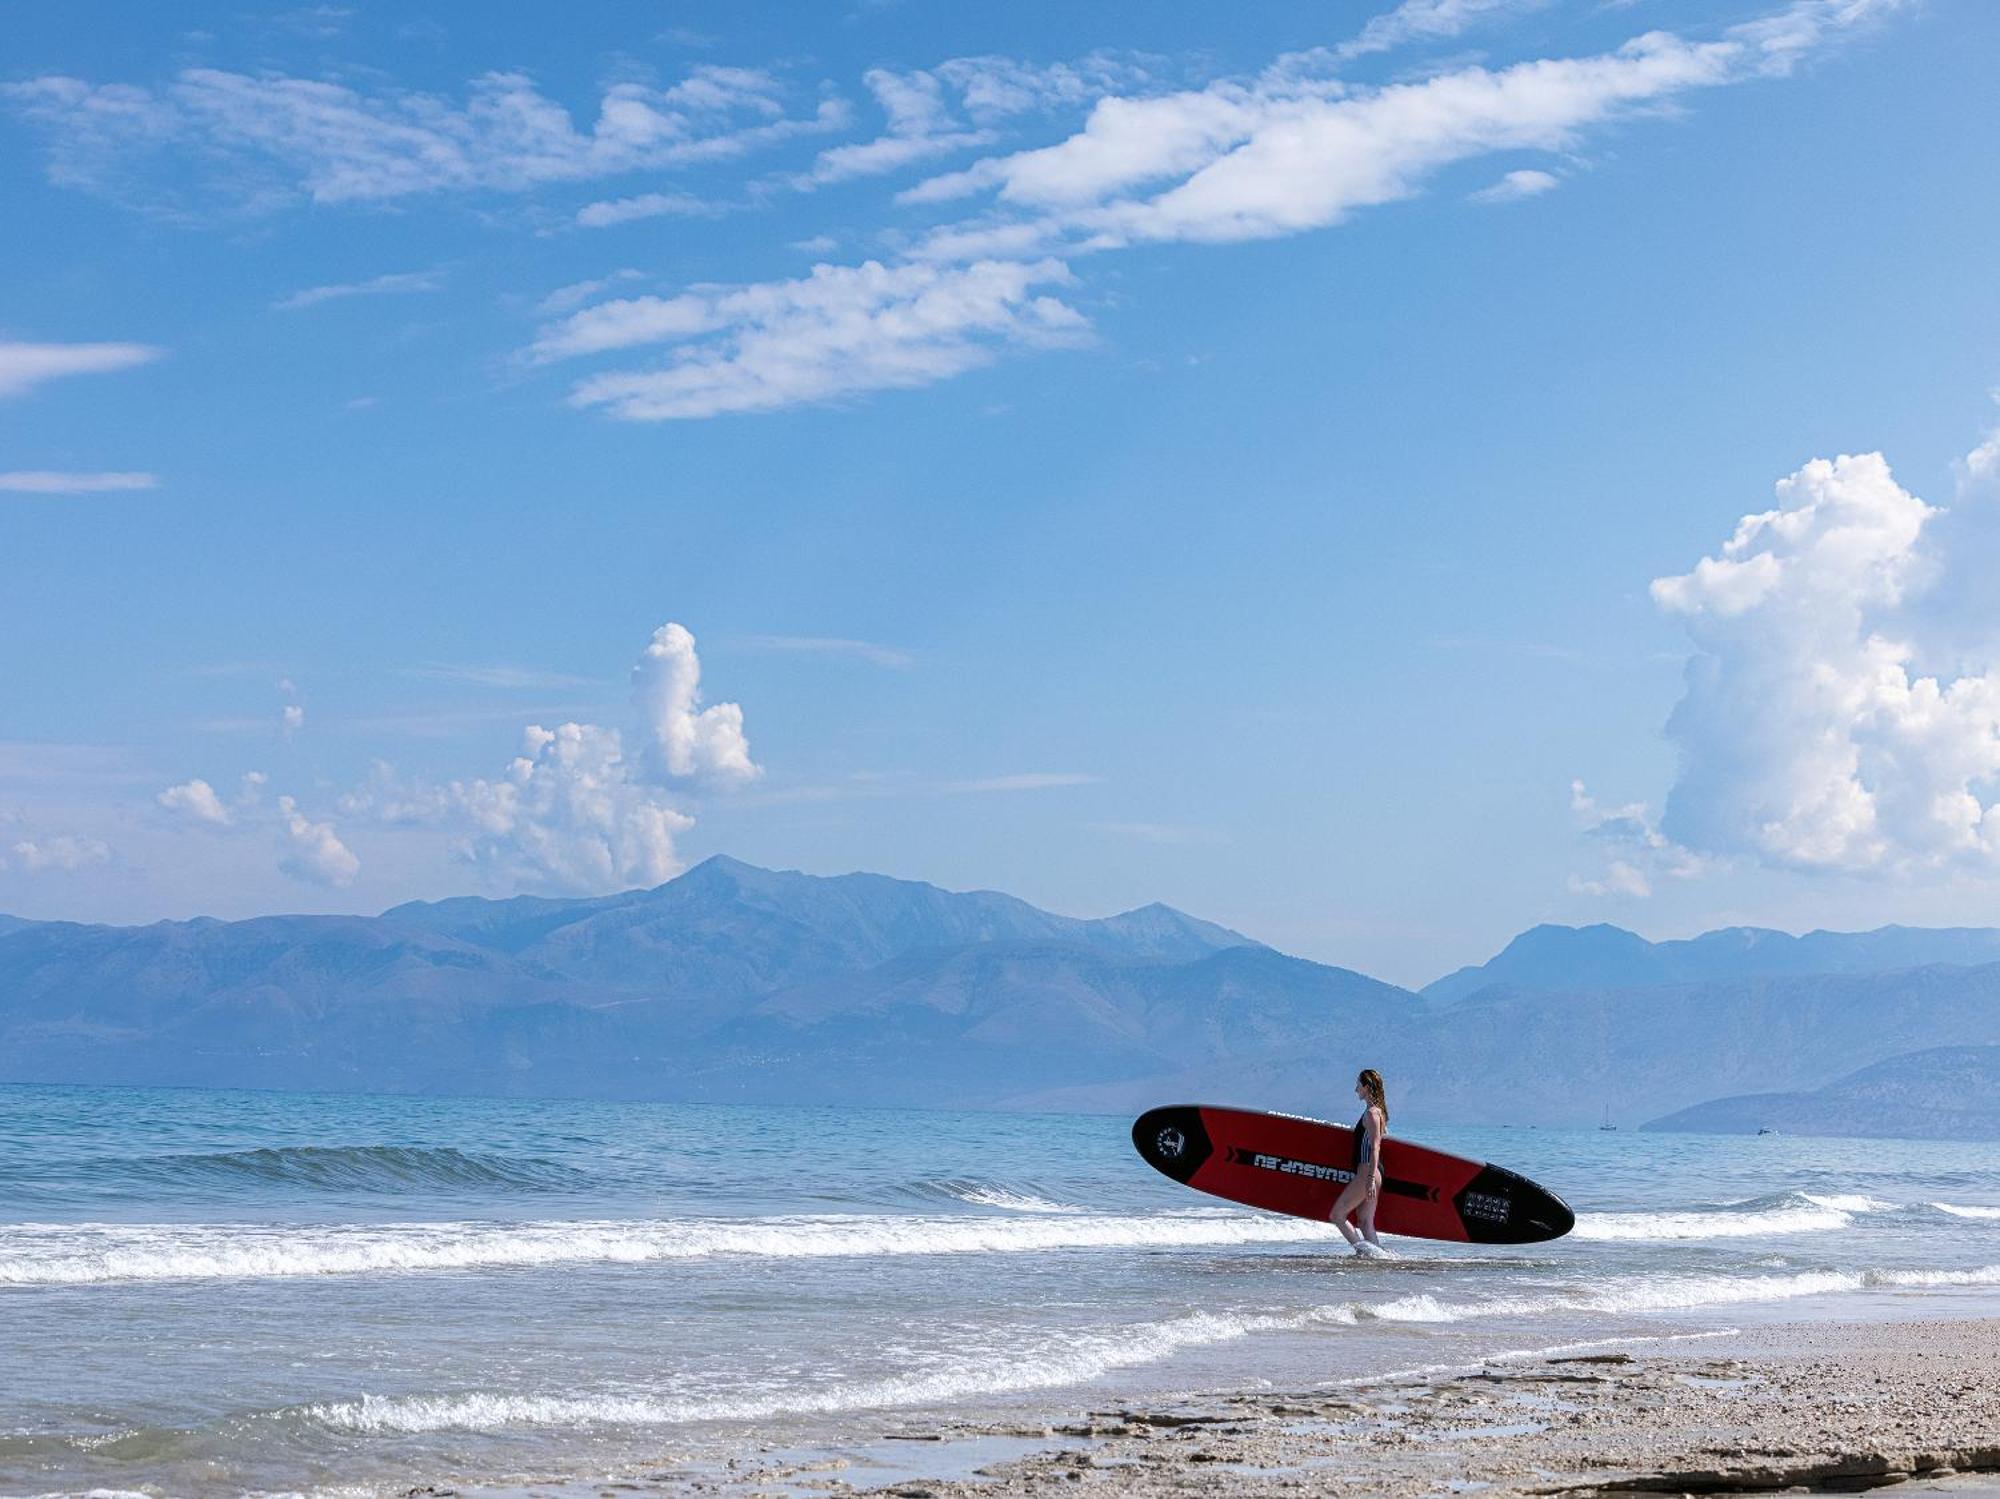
<point>212,1292</point>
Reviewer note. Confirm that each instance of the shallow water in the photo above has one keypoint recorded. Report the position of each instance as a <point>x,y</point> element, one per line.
<point>205,1291</point>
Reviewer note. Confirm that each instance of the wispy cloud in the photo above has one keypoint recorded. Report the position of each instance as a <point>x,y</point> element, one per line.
<point>23,366</point>
<point>47,481</point>
<point>1293,149</point>
<point>64,853</point>
<point>840,331</point>
<point>614,211</point>
<point>1167,834</point>
<point>1032,780</point>
<point>1516,185</point>
<point>501,676</point>
<point>1430,21</point>
<point>392,284</point>
<point>826,645</point>
<point>270,136</point>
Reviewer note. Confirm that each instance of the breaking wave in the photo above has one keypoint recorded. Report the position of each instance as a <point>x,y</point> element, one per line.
<point>333,1168</point>
<point>1957,1211</point>
<point>1759,1217</point>
<point>83,1254</point>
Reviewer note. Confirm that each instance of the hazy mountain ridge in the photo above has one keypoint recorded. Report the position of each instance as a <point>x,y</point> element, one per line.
<point>738,983</point>
<point>1608,957</point>
<point>1944,1092</point>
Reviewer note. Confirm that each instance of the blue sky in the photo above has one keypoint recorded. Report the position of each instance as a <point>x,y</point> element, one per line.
<point>1106,453</point>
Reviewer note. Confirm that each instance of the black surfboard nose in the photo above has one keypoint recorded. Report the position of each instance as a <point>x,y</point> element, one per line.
<point>1172,1140</point>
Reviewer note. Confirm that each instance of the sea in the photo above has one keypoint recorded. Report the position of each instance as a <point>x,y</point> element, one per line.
<point>245,1292</point>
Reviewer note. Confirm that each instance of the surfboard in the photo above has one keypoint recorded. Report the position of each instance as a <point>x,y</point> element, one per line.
<point>1286,1164</point>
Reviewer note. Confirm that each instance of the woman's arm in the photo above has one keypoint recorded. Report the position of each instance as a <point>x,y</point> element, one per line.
<point>1376,1124</point>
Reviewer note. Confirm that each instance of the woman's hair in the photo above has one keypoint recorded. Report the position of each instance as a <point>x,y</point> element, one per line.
<point>1370,1082</point>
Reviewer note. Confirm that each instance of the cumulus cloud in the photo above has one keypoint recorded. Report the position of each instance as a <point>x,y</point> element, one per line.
<point>270,135</point>
<point>840,331</point>
<point>313,851</point>
<point>23,366</point>
<point>687,742</point>
<point>389,284</point>
<point>578,809</point>
<point>195,799</point>
<point>292,718</point>
<point>572,812</point>
<point>46,481</point>
<point>1810,737</point>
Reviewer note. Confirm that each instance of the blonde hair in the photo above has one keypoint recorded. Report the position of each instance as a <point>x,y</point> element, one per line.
<point>1370,1082</point>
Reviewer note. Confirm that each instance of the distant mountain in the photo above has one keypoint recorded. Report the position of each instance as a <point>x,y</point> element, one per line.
<point>1607,957</point>
<point>1948,1091</point>
<point>734,983</point>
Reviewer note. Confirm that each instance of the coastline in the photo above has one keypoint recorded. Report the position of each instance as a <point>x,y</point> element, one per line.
<point>1798,1407</point>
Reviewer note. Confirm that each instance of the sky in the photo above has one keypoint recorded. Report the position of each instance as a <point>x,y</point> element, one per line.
<point>1378,476</point>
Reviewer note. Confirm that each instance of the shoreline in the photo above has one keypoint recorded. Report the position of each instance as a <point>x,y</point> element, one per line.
<point>1798,1407</point>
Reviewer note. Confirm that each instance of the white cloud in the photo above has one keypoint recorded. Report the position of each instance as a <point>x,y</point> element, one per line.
<point>195,799</point>
<point>644,206</point>
<point>1294,150</point>
<point>23,366</point>
<point>565,299</point>
<point>1619,878</point>
<point>571,813</point>
<point>1808,737</point>
<point>1634,848</point>
<point>840,331</point>
<point>272,135</point>
<point>292,718</point>
<point>45,481</point>
<point>1525,183</point>
<point>687,742</point>
<point>1430,21</point>
<point>577,810</point>
<point>314,852</point>
<point>826,645</point>
<point>65,853</point>
<point>921,126</point>
<point>391,284</point>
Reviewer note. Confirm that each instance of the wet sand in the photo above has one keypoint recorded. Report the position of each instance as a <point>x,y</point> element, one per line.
<point>1829,1407</point>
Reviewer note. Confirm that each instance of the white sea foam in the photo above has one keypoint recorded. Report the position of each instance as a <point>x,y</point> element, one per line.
<point>1077,1358</point>
<point>1669,1293</point>
<point>1795,1213</point>
<point>1057,1361</point>
<point>83,1254</point>
<point>990,1196</point>
<point>1957,1211</point>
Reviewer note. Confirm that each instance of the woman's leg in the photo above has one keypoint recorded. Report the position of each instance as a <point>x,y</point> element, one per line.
<point>1343,1205</point>
<point>1365,1214</point>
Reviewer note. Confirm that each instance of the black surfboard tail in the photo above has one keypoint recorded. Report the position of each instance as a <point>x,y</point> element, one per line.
<point>1499,1206</point>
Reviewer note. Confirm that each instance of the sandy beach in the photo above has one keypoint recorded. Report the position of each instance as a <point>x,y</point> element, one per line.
<point>1827,1407</point>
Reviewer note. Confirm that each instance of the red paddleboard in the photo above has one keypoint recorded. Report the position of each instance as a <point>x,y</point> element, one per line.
<point>1291,1165</point>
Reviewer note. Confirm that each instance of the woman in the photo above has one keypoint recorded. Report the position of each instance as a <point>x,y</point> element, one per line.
<point>1357,1198</point>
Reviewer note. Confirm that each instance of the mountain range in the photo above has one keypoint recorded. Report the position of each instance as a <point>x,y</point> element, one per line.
<point>734,983</point>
